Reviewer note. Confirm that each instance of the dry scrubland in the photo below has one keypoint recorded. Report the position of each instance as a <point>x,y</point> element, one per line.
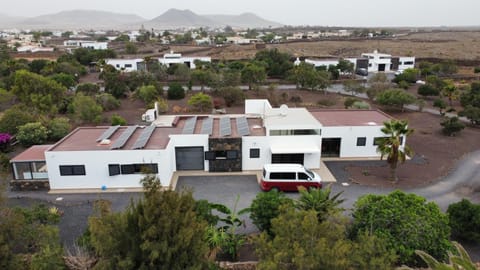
<point>447,45</point>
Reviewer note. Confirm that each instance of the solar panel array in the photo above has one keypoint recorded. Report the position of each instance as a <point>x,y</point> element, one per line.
<point>109,132</point>
<point>189,125</point>
<point>225,127</point>
<point>207,126</point>
<point>122,140</point>
<point>242,126</point>
<point>144,137</point>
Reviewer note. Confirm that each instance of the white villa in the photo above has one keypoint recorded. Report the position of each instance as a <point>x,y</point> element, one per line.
<point>115,157</point>
<point>177,58</point>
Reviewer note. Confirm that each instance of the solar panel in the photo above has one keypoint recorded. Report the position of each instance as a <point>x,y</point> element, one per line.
<point>242,126</point>
<point>122,140</point>
<point>225,127</point>
<point>189,125</point>
<point>144,137</point>
<point>109,132</point>
<point>207,126</point>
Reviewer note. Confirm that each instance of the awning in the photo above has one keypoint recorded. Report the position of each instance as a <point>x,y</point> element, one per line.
<point>294,148</point>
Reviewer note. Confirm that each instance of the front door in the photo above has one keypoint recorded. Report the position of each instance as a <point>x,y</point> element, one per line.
<point>331,147</point>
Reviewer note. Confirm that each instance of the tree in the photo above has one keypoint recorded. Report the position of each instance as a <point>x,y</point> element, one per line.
<point>175,91</point>
<point>107,101</point>
<point>441,105</point>
<point>409,75</point>
<point>354,87</point>
<point>13,118</point>
<point>377,84</point>
<point>130,48</point>
<point>64,79</point>
<point>265,207</point>
<point>345,66</point>
<point>58,128</point>
<point>395,99</point>
<point>88,88</point>
<point>159,230</point>
<point>451,126</point>
<point>86,109</point>
<point>472,113</point>
<point>306,76</point>
<point>319,200</point>
<point>253,74</point>
<point>390,146</point>
<point>147,93</point>
<point>406,222</point>
<point>232,95</point>
<point>299,238</point>
<point>277,63</point>
<point>464,220</point>
<point>32,133</point>
<point>115,82</point>
<point>450,91</point>
<point>428,90</point>
<point>40,93</point>
<point>200,102</point>
<point>202,77</point>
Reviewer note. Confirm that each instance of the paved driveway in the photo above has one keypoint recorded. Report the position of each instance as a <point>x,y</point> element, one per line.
<point>224,190</point>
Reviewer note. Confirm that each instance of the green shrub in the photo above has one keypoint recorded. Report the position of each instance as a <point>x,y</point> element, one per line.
<point>86,109</point>
<point>406,222</point>
<point>175,91</point>
<point>58,128</point>
<point>147,93</point>
<point>403,84</point>
<point>265,207</point>
<point>464,218</point>
<point>476,70</point>
<point>428,90</point>
<point>107,101</point>
<point>32,133</point>
<point>349,102</point>
<point>232,95</point>
<point>451,126</point>
<point>118,120</point>
<point>13,118</point>
<point>201,102</point>
<point>360,105</point>
<point>88,88</point>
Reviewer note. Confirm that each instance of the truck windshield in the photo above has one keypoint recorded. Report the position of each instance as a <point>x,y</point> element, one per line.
<point>310,173</point>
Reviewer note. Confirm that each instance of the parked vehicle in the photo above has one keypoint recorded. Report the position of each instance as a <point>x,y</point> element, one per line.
<point>288,177</point>
<point>362,72</point>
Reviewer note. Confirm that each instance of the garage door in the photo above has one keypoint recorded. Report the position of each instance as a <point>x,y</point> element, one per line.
<point>189,158</point>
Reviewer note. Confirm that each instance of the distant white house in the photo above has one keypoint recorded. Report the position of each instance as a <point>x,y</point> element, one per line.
<point>405,62</point>
<point>86,44</point>
<point>177,58</point>
<point>33,49</point>
<point>378,61</point>
<point>241,40</point>
<point>126,65</point>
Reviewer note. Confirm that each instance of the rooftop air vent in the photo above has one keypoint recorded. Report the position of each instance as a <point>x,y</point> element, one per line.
<point>105,142</point>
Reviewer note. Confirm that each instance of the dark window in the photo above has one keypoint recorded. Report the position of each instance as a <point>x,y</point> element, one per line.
<point>361,141</point>
<point>401,140</point>
<point>282,176</point>
<point>210,155</point>
<point>128,65</point>
<point>303,176</point>
<point>378,140</point>
<point>232,154</point>
<point>113,169</point>
<point>254,152</point>
<point>139,168</point>
<point>408,63</point>
<point>72,170</point>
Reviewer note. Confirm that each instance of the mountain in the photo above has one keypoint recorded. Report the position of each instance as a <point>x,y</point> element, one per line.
<point>244,20</point>
<point>175,18</point>
<point>84,19</point>
<point>7,21</point>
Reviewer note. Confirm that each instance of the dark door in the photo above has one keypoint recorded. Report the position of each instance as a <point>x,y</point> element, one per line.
<point>381,67</point>
<point>287,158</point>
<point>331,147</point>
<point>189,158</point>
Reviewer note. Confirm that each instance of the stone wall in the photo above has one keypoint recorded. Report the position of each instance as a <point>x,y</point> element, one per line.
<point>222,164</point>
<point>28,185</point>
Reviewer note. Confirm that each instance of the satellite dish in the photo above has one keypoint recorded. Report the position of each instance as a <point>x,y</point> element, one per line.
<point>283,110</point>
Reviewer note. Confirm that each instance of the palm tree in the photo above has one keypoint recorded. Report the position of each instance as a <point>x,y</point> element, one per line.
<point>390,146</point>
<point>320,201</point>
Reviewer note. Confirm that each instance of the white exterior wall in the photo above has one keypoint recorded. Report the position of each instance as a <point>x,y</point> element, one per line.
<point>96,168</point>
<point>349,135</point>
<point>120,64</point>
<point>311,160</point>
<point>320,63</point>
<point>183,60</point>
<point>402,60</point>
<point>257,106</point>
<point>95,45</point>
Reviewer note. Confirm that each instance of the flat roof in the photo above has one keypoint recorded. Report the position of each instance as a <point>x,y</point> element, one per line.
<point>34,153</point>
<point>290,118</point>
<point>351,117</point>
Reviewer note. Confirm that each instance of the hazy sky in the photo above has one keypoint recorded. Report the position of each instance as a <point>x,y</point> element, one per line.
<point>292,12</point>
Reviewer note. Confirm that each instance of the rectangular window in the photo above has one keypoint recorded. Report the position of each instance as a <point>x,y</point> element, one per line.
<point>282,176</point>
<point>139,168</point>
<point>361,141</point>
<point>293,132</point>
<point>232,154</point>
<point>113,169</point>
<point>66,170</point>
<point>210,155</point>
<point>401,140</point>
<point>254,152</point>
<point>408,63</point>
<point>128,65</point>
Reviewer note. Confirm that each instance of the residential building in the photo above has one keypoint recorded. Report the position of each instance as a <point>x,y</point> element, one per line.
<point>127,65</point>
<point>117,157</point>
<point>177,58</point>
<point>86,44</point>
